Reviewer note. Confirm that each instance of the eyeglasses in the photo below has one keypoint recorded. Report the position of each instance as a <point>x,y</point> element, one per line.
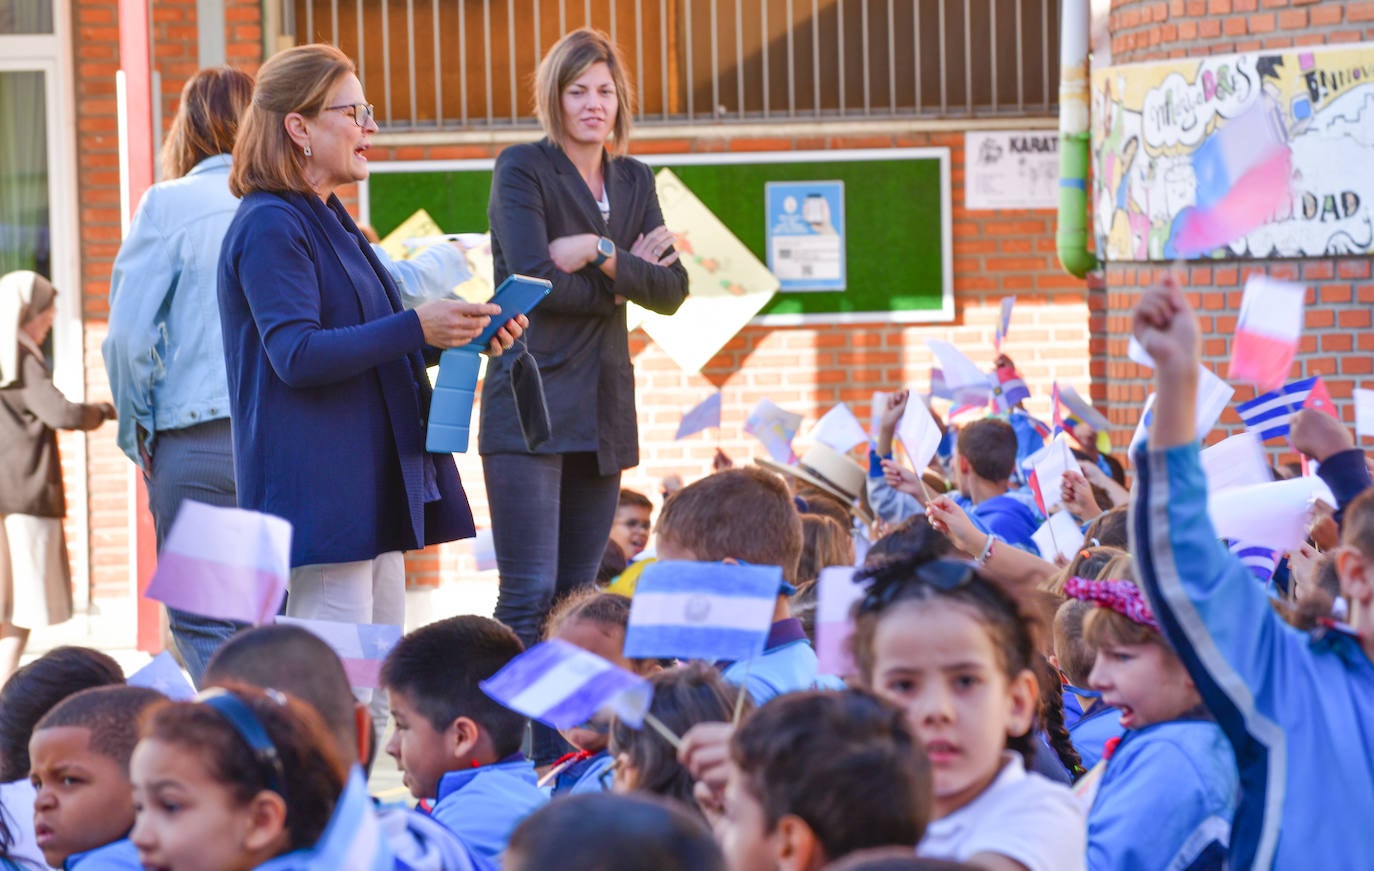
<point>942,574</point>
<point>361,112</point>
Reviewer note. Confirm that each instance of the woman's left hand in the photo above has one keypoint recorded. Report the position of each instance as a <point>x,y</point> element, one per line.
<point>571,253</point>
<point>506,336</point>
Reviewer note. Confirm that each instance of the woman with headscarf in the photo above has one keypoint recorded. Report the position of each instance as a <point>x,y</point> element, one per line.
<point>35,578</point>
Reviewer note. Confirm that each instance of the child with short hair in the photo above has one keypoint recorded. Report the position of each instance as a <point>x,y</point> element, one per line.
<point>244,778</point>
<point>1295,707</point>
<point>747,515</point>
<point>452,742</point>
<point>1172,759</point>
<point>632,523</point>
<point>683,697</point>
<point>958,653</point>
<point>596,623</point>
<point>983,464</point>
<point>818,775</point>
<point>600,832</point>
<point>79,766</point>
<point>300,664</point>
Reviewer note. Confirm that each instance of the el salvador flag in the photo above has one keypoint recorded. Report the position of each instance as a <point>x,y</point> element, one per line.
<point>1269,413</point>
<point>696,610</point>
<point>562,685</point>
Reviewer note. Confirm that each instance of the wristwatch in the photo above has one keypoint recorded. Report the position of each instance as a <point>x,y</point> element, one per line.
<point>605,250</point>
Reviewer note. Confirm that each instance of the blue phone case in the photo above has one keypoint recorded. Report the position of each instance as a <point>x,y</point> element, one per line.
<point>516,296</point>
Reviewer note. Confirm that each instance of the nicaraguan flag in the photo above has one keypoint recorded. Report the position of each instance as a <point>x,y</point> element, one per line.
<point>1269,413</point>
<point>164,675</point>
<point>693,610</point>
<point>362,647</point>
<point>562,685</point>
<point>704,415</point>
<point>1003,321</point>
<point>229,563</point>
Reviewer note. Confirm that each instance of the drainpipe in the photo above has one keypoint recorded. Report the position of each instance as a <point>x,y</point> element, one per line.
<point>1071,235</point>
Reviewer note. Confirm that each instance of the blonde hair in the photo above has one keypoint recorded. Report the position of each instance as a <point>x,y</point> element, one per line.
<point>207,120</point>
<point>297,80</point>
<point>569,58</point>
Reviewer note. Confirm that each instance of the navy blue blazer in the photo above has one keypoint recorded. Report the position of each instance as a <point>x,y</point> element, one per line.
<point>577,335</point>
<point>327,387</point>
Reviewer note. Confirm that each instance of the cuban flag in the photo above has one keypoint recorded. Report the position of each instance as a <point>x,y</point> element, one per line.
<point>1261,561</point>
<point>1242,176</point>
<point>1269,413</point>
<point>1320,399</point>
<point>705,415</point>
<point>228,563</point>
<point>563,686</point>
<point>1003,322</point>
<point>1010,389</point>
<point>362,647</point>
<point>1267,331</point>
<point>696,610</point>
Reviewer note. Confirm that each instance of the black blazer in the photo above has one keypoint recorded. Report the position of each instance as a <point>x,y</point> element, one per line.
<point>577,334</point>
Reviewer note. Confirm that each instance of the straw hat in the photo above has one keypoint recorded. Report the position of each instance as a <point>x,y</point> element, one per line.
<point>830,471</point>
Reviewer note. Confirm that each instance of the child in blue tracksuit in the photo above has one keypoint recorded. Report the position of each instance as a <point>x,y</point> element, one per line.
<point>1296,708</point>
<point>1172,762</point>
<point>747,515</point>
<point>452,743</point>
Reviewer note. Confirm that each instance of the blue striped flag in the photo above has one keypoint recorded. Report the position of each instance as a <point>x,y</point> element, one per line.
<point>704,415</point>
<point>1269,413</point>
<point>562,685</point>
<point>691,610</point>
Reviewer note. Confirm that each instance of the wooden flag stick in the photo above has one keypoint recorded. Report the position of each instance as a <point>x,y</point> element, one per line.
<point>658,726</point>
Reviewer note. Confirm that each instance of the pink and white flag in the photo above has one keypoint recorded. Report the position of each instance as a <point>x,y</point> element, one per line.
<point>228,563</point>
<point>1267,332</point>
<point>362,647</point>
<point>836,593</point>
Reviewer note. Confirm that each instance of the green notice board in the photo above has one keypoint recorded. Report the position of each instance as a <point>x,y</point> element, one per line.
<point>897,218</point>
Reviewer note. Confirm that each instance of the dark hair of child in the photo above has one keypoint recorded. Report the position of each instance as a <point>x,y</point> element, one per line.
<point>1012,627</point>
<point>609,611</point>
<point>609,832</point>
<point>803,606</point>
<point>743,513</point>
<point>694,693</point>
<point>913,535</point>
<point>1075,654</point>
<point>297,662</point>
<point>634,499</point>
<point>989,445</point>
<point>33,690</point>
<point>1051,715</point>
<point>314,773</point>
<point>109,714</point>
<point>613,562</point>
<point>438,668</point>
<point>825,543</point>
<point>1108,529</point>
<point>894,859</point>
<point>847,763</point>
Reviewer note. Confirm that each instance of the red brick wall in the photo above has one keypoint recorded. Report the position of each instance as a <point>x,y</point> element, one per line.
<point>1337,342</point>
<point>809,369</point>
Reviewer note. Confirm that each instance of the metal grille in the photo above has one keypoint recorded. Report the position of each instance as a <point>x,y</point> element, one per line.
<point>465,64</point>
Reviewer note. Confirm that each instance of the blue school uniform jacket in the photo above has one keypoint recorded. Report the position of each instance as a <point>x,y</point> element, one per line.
<point>1165,800</point>
<point>119,855</point>
<point>1091,732</point>
<point>788,664</point>
<point>352,840</point>
<point>482,806</point>
<point>1296,708</point>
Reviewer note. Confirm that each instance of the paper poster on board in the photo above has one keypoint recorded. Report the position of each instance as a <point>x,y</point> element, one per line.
<point>1014,169</point>
<point>806,234</point>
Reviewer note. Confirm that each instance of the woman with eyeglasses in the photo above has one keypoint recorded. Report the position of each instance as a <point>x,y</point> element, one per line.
<point>575,209</point>
<point>327,383</point>
<point>245,778</point>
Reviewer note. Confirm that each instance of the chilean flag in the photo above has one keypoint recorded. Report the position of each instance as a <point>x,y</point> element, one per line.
<point>1242,176</point>
<point>1267,332</point>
